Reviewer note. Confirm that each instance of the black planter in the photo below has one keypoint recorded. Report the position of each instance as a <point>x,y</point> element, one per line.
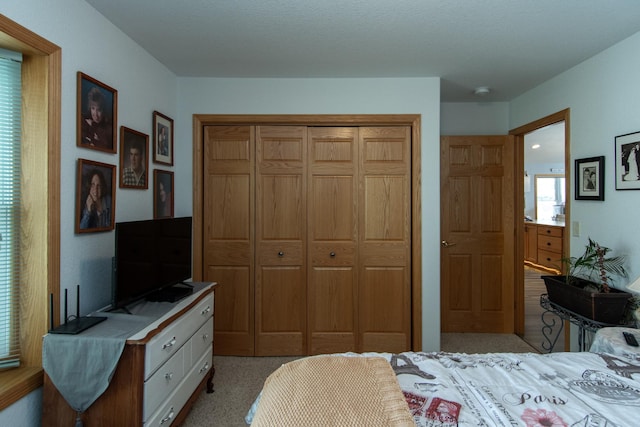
<point>605,307</point>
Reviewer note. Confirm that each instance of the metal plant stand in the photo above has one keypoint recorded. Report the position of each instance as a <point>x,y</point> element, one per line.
<point>555,314</point>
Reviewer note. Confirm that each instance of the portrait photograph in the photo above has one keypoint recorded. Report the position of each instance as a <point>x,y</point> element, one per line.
<point>162,139</point>
<point>162,194</point>
<point>95,196</point>
<point>589,178</point>
<point>627,149</point>
<point>97,115</point>
<point>134,159</point>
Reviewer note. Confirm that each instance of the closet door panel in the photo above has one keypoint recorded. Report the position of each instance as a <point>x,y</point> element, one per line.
<point>333,228</point>
<point>331,290</point>
<point>281,295</point>
<point>234,317</point>
<point>385,239</point>
<point>228,251</point>
<point>281,206</point>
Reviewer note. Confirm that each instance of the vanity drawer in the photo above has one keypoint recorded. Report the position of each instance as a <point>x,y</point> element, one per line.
<point>550,259</point>
<point>549,243</point>
<point>550,231</point>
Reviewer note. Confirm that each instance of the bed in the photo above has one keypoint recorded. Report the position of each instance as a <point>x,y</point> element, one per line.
<point>452,389</point>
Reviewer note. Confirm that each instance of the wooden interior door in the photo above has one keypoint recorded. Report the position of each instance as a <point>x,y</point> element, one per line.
<point>384,238</point>
<point>228,218</point>
<point>281,229</point>
<point>477,233</point>
<point>332,239</point>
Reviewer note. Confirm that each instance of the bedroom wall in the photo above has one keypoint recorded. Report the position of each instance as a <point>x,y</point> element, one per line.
<point>474,118</point>
<point>603,94</point>
<point>91,44</point>
<point>340,96</point>
<point>601,107</point>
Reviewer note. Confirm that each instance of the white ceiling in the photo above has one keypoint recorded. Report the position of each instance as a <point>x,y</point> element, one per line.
<point>510,46</point>
<point>551,145</point>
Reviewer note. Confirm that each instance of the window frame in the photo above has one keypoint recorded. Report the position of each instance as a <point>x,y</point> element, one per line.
<point>41,76</point>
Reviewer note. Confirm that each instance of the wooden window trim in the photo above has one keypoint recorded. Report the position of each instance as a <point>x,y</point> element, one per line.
<point>41,74</point>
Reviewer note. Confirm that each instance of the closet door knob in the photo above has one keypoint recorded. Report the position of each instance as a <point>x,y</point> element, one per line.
<point>280,254</point>
<point>332,254</point>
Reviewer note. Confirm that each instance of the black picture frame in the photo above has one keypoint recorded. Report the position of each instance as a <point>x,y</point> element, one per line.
<point>627,155</point>
<point>589,178</point>
<point>96,131</point>
<point>92,219</point>
<point>134,148</point>
<point>163,194</point>
<point>162,139</point>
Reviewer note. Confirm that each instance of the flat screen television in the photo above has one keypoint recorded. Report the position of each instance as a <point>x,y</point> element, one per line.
<point>151,256</point>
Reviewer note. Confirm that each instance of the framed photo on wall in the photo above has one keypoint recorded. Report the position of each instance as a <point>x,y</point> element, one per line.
<point>95,196</point>
<point>97,115</point>
<point>162,139</point>
<point>134,161</point>
<point>627,151</point>
<point>589,178</point>
<point>162,194</point>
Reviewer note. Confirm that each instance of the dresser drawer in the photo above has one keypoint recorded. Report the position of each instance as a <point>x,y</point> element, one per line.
<point>169,409</point>
<point>166,343</point>
<point>549,243</point>
<point>163,381</point>
<point>201,341</point>
<point>550,231</point>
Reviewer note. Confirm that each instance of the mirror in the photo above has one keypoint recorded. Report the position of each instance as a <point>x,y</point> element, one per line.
<point>549,197</point>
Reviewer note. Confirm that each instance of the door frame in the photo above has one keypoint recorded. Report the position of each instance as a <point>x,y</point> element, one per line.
<point>412,120</point>
<point>519,133</point>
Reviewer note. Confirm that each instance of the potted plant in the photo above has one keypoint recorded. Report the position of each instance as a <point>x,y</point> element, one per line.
<point>585,287</point>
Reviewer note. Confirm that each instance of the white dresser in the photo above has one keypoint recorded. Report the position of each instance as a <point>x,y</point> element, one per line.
<point>160,373</point>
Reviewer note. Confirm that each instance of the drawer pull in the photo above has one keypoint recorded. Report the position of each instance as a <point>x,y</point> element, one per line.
<point>280,254</point>
<point>169,344</point>
<point>168,417</point>
<point>332,254</point>
<point>205,337</point>
<point>548,243</point>
<point>168,376</point>
<point>205,368</point>
<point>206,310</point>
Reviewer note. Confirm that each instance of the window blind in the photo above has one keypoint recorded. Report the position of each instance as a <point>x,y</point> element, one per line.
<point>10,212</point>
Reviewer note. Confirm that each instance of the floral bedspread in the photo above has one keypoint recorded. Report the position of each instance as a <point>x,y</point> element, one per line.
<point>519,389</point>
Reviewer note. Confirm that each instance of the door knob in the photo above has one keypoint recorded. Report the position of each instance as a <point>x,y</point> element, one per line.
<point>446,244</point>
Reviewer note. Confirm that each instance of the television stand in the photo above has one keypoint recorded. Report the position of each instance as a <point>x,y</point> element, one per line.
<point>171,294</point>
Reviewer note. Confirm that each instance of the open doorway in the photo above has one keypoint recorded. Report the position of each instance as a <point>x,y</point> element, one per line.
<point>544,213</point>
<point>542,160</point>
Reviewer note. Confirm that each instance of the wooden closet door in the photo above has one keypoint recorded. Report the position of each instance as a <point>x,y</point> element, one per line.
<point>385,239</point>
<point>281,282</point>
<point>228,251</point>
<point>332,236</point>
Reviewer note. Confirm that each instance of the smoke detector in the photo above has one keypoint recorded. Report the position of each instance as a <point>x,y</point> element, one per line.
<point>482,91</point>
